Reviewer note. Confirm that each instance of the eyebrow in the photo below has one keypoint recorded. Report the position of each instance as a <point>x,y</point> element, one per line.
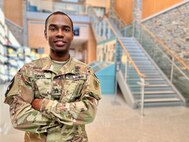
<point>65,26</point>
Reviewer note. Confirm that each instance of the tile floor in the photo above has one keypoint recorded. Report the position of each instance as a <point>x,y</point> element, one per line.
<point>117,122</point>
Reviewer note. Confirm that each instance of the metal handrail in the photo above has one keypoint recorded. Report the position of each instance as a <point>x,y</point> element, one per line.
<point>166,47</point>
<point>123,47</point>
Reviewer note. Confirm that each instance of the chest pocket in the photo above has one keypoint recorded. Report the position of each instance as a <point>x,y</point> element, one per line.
<point>73,85</point>
<point>43,85</point>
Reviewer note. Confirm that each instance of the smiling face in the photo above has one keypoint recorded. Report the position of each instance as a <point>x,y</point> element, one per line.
<point>59,34</point>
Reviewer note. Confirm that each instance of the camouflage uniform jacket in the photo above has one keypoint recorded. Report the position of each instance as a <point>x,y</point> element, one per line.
<point>72,95</point>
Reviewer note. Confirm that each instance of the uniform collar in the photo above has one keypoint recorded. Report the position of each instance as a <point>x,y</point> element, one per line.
<point>69,67</point>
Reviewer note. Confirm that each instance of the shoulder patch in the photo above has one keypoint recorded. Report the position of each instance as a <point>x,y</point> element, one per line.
<point>9,87</point>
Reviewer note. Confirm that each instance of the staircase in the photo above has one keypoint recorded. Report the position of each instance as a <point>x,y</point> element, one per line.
<point>158,90</point>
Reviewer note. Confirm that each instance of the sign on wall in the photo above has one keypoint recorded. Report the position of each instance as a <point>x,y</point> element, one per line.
<point>76,31</point>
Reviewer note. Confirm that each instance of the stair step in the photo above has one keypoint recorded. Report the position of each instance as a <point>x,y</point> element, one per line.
<point>156,96</point>
<point>154,92</point>
<point>162,104</point>
<point>134,50</point>
<point>133,54</point>
<point>161,100</point>
<point>147,79</point>
<point>143,62</point>
<point>158,85</point>
<point>152,85</point>
<point>149,69</point>
<point>151,90</point>
<point>132,46</point>
<point>153,77</point>
<point>158,92</point>
<point>147,73</point>
<point>140,57</point>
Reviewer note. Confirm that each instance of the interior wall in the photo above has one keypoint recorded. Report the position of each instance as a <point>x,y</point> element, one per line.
<point>13,10</point>
<point>91,47</point>
<point>42,5</point>
<point>99,3</point>
<point>151,7</point>
<point>124,9</point>
<point>37,39</point>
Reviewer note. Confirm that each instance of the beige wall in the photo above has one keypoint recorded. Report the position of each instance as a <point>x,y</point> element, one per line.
<point>84,31</point>
<point>124,10</point>
<point>36,37</point>
<point>13,10</point>
<point>91,47</point>
<point>45,5</point>
<point>99,3</point>
<point>151,7</point>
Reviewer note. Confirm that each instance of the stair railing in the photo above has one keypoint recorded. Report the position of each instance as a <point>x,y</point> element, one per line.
<point>129,62</point>
<point>16,30</point>
<point>103,30</point>
<point>176,70</point>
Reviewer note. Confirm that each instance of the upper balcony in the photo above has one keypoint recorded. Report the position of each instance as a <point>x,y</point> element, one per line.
<point>78,11</point>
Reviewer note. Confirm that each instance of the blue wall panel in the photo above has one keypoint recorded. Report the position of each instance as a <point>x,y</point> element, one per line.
<point>107,79</point>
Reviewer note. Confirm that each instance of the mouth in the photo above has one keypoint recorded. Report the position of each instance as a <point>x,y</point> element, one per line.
<point>60,43</point>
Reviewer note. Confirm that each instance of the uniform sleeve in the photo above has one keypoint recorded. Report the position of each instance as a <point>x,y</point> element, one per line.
<point>80,112</point>
<point>19,96</point>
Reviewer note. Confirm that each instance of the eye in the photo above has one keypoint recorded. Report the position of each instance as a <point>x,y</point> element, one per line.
<point>52,28</point>
<point>67,29</point>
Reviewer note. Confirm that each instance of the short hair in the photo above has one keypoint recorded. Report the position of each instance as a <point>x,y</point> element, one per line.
<point>55,13</point>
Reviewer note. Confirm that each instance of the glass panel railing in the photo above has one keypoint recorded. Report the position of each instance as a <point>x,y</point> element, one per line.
<point>128,70</point>
<point>116,19</point>
<point>49,6</point>
<point>69,8</point>
<point>172,66</point>
<point>15,33</point>
<point>181,82</point>
<point>101,29</point>
<point>124,63</point>
<point>127,31</point>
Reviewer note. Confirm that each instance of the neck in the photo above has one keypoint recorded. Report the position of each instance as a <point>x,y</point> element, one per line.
<point>59,56</point>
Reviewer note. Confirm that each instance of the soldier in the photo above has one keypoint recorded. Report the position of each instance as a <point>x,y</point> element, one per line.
<point>52,98</point>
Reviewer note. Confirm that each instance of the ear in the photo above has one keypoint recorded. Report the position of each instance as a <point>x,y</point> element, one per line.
<point>45,34</point>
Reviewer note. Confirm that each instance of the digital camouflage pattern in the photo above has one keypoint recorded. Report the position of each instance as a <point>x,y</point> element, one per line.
<point>72,94</point>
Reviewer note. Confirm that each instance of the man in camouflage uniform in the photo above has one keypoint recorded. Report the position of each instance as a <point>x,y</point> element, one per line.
<point>52,98</point>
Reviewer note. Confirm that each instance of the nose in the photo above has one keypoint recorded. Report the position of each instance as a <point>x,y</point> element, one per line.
<point>60,33</point>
